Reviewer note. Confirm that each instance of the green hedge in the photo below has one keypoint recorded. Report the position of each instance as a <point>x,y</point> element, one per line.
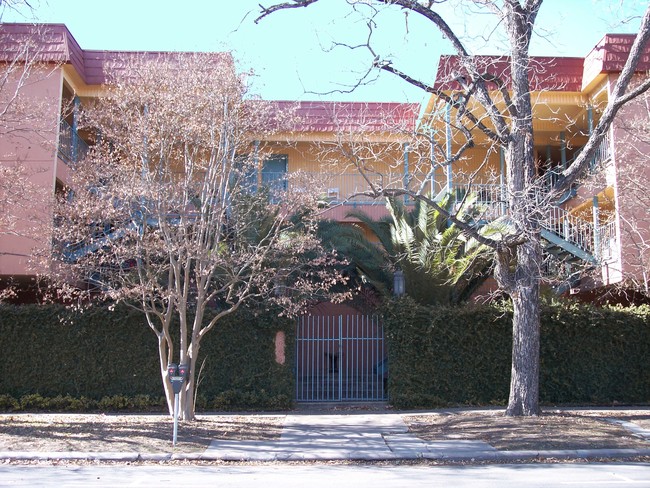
<point>51,352</point>
<point>57,359</point>
<point>595,355</point>
<point>461,355</point>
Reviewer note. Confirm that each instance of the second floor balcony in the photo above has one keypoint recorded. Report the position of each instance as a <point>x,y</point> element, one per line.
<point>590,240</point>
<point>344,188</point>
<point>71,147</point>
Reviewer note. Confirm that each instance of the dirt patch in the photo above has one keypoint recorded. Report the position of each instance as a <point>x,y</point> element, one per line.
<point>566,429</point>
<point>129,433</point>
<point>550,431</point>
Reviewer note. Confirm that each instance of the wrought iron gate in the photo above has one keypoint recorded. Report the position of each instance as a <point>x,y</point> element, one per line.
<point>340,358</point>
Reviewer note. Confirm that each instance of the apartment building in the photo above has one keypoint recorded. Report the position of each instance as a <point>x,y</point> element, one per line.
<point>345,150</point>
<point>47,78</point>
<point>596,234</point>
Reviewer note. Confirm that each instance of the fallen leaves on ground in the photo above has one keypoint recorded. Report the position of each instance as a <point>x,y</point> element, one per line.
<point>566,429</point>
<point>129,433</point>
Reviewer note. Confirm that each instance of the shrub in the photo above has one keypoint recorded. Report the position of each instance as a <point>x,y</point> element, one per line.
<point>75,358</point>
<point>447,356</point>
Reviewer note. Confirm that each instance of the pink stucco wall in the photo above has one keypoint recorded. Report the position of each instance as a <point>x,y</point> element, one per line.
<point>30,149</point>
<point>632,161</point>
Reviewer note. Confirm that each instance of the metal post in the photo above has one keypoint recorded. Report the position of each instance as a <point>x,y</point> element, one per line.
<point>258,166</point>
<point>566,229</point>
<point>549,178</point>
<point>74,138</point>
<point>502,182</point>
<point>590,125</point>
<point>448,147</point>
<point>406,170</point>
<point>340,355</point>
<point>176,407</point>
<point>596,215</point>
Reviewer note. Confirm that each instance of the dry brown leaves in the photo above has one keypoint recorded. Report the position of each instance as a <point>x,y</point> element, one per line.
<point>567,429</point>
<point>128,433</point>
<point>570,430</point>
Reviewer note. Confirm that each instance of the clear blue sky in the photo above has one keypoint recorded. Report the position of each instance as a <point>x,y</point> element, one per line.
<point>291,51</point>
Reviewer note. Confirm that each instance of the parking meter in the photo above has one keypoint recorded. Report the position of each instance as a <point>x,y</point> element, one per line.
<point>172,370</point>
<point>177,376</point>
<point>183,371</point>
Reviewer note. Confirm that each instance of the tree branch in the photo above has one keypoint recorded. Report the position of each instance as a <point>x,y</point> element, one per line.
<point>617,100</point>
<point>426,12</point>
<point>283,6</point>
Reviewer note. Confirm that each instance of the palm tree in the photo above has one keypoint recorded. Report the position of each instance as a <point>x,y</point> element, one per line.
<point>440,265</point>
<point>363,261</point>
<point>443,265</point>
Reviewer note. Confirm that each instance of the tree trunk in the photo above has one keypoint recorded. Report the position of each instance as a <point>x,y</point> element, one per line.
<point>524,282</point>
<point>187,404</point>
<point>524,378</point>
<point>167,385</point>
<point>187,401</point>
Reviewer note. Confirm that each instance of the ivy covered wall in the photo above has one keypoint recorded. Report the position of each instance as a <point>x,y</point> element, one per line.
<point>461,355</point>
<point>51,351</point>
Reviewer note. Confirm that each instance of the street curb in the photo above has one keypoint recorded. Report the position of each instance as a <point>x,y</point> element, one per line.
<point>71,456</point>
<point>476,456</point>
<point>552,454</point>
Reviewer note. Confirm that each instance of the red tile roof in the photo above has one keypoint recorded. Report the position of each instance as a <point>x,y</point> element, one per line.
<point>53,43</point>
<point>551,73</point>
<point>546,73</point>
<point>312,116</point>
<point>610,54</point>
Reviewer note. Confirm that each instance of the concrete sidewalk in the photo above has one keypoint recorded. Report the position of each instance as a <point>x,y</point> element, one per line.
<point>381,436</point>
<point>361,437</point>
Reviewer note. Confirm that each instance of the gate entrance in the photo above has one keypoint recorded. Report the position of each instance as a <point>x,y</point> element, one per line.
<point>340,358</point>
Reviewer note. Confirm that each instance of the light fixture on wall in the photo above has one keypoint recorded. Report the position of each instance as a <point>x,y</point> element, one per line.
<point>399,287</point>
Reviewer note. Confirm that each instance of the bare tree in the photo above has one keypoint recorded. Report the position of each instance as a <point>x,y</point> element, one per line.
<point>494,104</point>
<point>169,214</point>
<point>21,7</point>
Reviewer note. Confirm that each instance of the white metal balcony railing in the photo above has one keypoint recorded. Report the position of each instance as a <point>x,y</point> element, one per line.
<point>570,228</point>
<point>491,201</point>
<point>602,155</point>
<point>603,152</point>
<point>608,240</point>
<point>344,187</point>
<point>72,148</point>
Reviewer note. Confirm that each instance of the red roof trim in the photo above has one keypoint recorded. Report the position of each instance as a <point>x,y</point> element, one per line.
<point>319,116</point>
<point>546,73</point>
<point>53,43</point>
<point>611,53</point>
<point>551,73</point>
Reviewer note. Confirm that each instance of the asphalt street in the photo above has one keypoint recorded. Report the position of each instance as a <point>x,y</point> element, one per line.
<point>623,475</point>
